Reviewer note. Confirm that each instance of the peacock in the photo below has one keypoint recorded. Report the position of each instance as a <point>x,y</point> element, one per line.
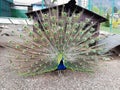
<point>58,42</point>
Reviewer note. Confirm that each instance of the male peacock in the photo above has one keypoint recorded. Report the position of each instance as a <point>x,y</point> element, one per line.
<point>57,43</point>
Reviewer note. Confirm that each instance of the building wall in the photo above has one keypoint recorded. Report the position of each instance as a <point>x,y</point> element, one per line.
<point>19,13</point>
<point>5,8</point>
<point>11,1</point>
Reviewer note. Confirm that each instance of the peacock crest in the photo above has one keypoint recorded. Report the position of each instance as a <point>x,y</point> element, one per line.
<point>58,42</point>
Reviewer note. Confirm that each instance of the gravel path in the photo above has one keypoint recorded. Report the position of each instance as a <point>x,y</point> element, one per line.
<point>106,77</point>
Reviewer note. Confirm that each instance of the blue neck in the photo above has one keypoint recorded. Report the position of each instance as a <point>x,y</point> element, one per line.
<point>61,65</point>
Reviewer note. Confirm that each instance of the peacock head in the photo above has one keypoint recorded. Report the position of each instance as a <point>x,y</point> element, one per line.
<point>61,65</point>
<point>60,58</point>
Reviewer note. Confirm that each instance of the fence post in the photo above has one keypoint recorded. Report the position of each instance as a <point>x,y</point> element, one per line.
<point>90,2</point>
<point>42,4</point>
<point>111,26</point>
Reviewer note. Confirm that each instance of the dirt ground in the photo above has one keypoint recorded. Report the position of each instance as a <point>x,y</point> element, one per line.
<point>105,77</point>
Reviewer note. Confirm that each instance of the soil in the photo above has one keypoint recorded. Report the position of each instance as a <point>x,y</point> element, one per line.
<point>105,77</point>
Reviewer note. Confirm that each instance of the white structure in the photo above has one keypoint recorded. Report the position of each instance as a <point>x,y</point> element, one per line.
<point>84,3</point>
<point>9,20</point>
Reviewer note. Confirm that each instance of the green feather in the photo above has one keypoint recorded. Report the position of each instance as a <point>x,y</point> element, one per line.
<point>59,37</point>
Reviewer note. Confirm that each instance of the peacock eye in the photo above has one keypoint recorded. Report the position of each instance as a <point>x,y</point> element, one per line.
<point>36,24</point>
<point>58,40</point>
<point>64,14</point>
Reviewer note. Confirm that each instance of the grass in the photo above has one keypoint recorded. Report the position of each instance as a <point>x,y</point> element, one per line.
<point>107,29</point>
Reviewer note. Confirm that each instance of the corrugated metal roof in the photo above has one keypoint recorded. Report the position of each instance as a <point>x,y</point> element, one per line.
<point>110,42</point>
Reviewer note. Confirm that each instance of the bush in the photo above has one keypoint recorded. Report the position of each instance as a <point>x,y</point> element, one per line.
<point>118,21</point>
<point>107,23</point>
<point>115,24</point>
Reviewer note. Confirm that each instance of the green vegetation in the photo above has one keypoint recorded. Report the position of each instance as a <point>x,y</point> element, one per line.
<point>115,25</point>
<point>107,23</point>
<point>95,9</point>
<point>98,10</point>
<point>107,29</point>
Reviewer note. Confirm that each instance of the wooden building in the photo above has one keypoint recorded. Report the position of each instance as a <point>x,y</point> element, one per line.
<point>72,7</point>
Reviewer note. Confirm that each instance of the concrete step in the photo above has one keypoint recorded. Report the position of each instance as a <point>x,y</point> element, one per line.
<point>9,20</point>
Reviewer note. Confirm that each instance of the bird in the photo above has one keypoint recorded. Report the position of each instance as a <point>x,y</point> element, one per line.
<point>61,65</point>
<point>60,44</point>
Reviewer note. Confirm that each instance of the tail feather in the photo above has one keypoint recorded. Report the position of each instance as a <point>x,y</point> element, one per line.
<point>57,33</point>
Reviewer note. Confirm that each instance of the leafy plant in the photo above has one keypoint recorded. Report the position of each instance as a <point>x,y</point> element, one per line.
<point>96,9</point>
<point>115,23</point>
<point>53,1</point>
<point>107,23</point>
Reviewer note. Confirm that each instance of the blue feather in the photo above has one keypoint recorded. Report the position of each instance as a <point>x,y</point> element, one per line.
<point>61,66</point>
